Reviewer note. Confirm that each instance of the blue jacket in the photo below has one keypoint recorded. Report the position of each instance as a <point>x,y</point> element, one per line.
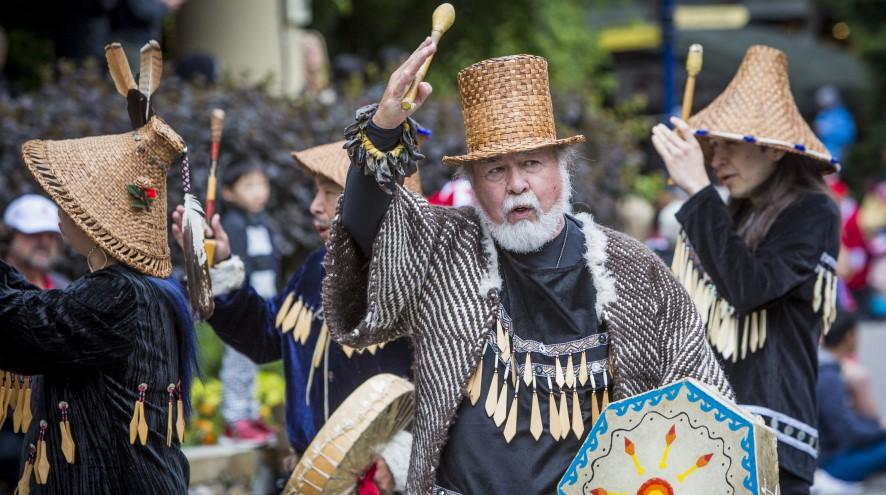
<point>246,322</point>
<point>840,428</point>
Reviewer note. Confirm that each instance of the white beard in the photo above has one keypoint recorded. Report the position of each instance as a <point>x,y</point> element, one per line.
<point>527,236</point>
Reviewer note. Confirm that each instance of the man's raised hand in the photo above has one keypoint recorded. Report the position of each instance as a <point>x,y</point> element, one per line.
<point>390,113</point>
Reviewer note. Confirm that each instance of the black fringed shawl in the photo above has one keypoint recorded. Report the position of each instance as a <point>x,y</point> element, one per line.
<point>94,343</point>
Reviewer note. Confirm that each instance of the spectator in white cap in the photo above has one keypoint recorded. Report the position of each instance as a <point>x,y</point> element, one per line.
<point>32,221</point>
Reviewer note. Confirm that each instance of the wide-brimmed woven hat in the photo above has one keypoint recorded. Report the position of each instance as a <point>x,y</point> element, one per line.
<point>332,161</point>
<point>758,107</point>
<point>114,189</point>
<point>507,108</point>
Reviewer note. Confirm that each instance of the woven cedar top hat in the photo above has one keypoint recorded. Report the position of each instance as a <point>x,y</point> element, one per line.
<point>507,108</point>
<point>758,107</point>
<point>332,161</point>
<point>114,189</point>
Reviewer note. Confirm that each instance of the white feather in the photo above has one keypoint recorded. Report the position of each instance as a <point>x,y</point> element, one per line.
<point>193,221</point>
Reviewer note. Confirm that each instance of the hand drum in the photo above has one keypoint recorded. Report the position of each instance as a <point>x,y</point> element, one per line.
<point>682,439</point>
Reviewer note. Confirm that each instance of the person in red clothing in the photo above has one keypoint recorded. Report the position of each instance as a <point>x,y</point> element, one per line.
<point>854,260</point>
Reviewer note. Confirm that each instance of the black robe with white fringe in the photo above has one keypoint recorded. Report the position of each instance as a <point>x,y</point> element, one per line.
<point>777,284</point>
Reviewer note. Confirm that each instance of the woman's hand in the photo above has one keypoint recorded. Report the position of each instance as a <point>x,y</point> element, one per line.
<point>390,113</point>
<point>222,244</point>
<point>682,155</point>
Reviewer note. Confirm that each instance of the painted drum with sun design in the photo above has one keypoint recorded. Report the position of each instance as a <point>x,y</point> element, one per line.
<point>681,439</point>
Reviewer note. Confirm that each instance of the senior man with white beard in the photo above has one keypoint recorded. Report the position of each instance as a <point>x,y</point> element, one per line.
<point>524,318</point>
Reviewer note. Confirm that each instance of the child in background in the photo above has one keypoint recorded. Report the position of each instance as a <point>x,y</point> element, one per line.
<point>245,191</point>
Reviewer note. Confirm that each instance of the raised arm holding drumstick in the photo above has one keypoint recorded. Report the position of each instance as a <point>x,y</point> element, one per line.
<point>470,287</point>
<point>442,20</point>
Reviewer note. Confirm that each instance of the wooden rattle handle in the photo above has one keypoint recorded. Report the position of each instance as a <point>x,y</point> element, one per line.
<point>693,67</point>
<point>216,125</point>
<point>442,19</point>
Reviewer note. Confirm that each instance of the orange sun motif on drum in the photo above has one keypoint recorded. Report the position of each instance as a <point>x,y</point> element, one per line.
<point>684,438</point>
<point>656,485</point>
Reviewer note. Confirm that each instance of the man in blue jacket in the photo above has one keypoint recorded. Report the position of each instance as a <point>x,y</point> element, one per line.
<point>320,374</point>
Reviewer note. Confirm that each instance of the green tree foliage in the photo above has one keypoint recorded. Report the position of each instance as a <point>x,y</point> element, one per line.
<point>555,29</point>
<point>81,101</point>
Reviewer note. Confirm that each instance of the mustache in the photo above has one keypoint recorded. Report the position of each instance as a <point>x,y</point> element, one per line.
<point>524,200</point>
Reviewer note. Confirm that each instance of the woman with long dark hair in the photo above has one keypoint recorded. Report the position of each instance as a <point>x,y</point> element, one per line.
<point>761,266</point>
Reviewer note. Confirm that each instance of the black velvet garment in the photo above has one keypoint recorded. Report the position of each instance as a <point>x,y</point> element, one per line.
<point>94,343</point>
<point>778,381</point>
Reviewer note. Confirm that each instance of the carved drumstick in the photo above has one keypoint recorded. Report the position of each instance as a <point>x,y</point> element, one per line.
<point>441,21</point>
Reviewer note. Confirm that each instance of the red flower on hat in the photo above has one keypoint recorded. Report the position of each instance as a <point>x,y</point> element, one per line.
<point>142,193</point>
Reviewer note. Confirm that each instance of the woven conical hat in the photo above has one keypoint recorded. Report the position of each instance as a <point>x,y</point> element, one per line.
<point>89,179</point>
<point>332,161</point>
<point>758,107</point>
<point>507,108</point>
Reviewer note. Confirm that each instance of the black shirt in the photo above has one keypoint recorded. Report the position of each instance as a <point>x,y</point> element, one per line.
<point>546,305</point>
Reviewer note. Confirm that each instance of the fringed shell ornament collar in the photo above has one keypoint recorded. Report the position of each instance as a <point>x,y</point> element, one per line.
<point>736,336</point>
<point>566,368</point>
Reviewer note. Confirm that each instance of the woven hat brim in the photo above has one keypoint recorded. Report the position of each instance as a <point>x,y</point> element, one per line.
<point>822,162</point>
<point>332,161</point>
<point>329,160</point>
<point>36,158</point>
<point>457,161</point>
<point>45,165</point>
<point>758,107</point>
